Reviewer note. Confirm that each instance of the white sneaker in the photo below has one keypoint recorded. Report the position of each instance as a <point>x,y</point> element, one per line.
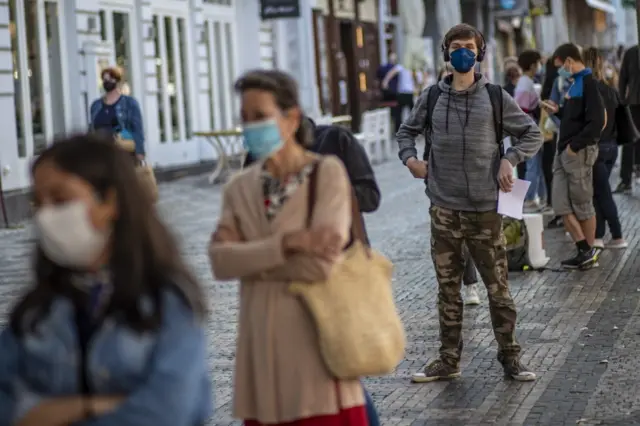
<point>598,243</point>
<point>617,244</point>
<point>471,296</point>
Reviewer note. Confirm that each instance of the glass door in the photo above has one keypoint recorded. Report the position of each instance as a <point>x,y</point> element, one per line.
<point>39,72</point>
<point>220,37</point>
<point>174,112</point>
<point>116,27</point>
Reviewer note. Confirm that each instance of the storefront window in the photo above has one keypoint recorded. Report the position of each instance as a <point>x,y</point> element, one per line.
<point>211,76</point>
<point>171,84</point>
<point>161,80</point>
<point>182,39</point>
<point>17,79</point>
<point>173,76</point>
<point>221,72</point>
<point>115,28</point>
<point>37,57</point>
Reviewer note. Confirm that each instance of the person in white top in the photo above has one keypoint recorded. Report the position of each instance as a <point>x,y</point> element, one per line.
<point>404,96</point>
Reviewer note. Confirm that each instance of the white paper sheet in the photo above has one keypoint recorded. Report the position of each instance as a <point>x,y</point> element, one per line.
<point>512,203</point>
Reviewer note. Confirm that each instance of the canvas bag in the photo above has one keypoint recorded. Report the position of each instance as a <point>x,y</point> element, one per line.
<point>147,179</point>
<point>146,175</point>
<point>354,311</point>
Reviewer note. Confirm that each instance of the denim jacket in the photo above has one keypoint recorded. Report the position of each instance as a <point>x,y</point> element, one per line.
<point>163,375</point>
<point>129,118</point>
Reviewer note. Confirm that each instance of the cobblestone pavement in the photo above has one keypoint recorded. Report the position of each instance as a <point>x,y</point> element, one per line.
<point>579,329</point>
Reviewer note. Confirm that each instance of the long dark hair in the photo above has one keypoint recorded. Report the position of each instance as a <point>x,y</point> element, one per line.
<point>145,258</point>
<point>550,75</point>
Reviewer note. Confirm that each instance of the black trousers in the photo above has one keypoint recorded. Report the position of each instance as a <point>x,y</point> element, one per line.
<point>404,100</point>
<point>548,155</point>
<point>605,205</point>
<point>630,152</point>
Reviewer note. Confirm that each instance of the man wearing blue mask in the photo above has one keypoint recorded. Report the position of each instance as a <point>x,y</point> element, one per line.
<point>465,118</point>
<point>581,122</point>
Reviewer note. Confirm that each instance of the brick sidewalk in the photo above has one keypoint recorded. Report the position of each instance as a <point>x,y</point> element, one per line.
<point>566,319</point>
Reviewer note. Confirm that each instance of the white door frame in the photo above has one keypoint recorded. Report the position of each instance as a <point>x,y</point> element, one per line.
<point>183,150</point>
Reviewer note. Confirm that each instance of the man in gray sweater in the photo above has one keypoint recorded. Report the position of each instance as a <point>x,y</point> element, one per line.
<point>463,170</point>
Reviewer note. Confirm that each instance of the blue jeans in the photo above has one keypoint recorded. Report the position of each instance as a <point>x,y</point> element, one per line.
<point>372,414</point>
<point>535,175</point>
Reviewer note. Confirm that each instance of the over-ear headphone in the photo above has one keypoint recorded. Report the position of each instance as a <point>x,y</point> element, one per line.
<point>482,50</point>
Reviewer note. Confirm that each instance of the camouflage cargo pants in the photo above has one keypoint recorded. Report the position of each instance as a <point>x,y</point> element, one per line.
<point>482,234</point>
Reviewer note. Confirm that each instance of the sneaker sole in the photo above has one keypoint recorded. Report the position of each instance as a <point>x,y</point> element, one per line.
<point>472,303</point>
<point>530,378</point>
<point>422,378</point>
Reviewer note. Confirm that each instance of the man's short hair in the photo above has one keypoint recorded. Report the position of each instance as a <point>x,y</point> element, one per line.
<point>568,50</point>
<point>463,32</point>
<point>528,59</point>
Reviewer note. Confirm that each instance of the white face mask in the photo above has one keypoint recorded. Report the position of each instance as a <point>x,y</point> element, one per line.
<point>67,236</point>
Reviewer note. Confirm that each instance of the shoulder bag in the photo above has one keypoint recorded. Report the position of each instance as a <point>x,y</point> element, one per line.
<point>359,328</point>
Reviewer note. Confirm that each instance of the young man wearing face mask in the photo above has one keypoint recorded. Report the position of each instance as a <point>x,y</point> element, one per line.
<point>463,168</point>
<point>582,119</point>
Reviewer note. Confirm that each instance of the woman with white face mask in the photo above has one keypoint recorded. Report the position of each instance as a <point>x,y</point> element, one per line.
<point>112,332</point>
<point>273,231</point>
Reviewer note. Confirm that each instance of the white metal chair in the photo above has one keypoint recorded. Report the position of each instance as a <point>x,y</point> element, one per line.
<point>324,120</point>
<point>369,136</point>
<point>385,140</point>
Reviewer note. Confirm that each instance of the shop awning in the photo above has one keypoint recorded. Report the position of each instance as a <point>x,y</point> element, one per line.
<point>602,5</point>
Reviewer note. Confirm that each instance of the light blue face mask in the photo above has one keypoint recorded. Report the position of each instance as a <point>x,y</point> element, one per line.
<point>262,139</point>
<point>562,72</point>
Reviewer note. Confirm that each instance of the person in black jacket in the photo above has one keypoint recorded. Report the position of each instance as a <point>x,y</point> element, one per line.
<point>605,205</point>
<point>582,120</point>
<point>629,89</point>
<point>339,141</point>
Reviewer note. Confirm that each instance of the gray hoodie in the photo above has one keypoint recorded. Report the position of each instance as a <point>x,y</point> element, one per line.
<point>464,159</point>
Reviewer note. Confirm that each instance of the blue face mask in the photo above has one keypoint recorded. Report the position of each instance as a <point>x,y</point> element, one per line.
<point>562,72</point>
<point>463,60</point>
<point>262,139</point>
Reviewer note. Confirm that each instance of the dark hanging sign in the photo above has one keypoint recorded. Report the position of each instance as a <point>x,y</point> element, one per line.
<point>274,9</point>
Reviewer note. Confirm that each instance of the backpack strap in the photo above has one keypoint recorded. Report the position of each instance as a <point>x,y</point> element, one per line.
<point>432,99</point>
<point>496,98</point>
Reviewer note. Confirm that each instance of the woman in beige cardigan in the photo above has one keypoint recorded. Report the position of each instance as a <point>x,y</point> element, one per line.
<point>263,240</point>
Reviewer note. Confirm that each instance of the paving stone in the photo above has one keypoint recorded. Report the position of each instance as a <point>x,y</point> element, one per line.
<point>554,309</point>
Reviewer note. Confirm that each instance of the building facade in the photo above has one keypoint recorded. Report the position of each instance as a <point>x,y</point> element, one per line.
<point>180,58</point>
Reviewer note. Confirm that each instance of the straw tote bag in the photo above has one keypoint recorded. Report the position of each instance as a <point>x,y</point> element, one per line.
<point>359,328</point>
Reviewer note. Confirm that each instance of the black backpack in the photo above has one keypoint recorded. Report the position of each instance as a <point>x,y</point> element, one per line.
<point>495,96</point>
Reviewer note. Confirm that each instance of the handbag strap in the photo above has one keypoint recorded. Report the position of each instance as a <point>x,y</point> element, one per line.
<point>357,226</point>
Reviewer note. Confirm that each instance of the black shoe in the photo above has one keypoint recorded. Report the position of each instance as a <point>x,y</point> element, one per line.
<point>514,369</point>
<point>623,188</point>
<point>583,260</point>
